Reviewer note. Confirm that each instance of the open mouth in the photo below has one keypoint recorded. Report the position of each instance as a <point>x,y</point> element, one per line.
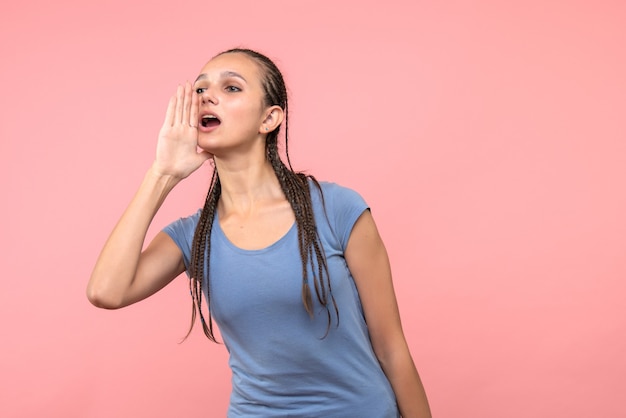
<point>209,121</point>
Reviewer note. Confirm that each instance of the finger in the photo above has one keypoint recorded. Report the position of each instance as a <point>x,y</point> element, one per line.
<point>186,104</point>
<point>169,113</point>
<point>193,114</point>
<point>179,104</point>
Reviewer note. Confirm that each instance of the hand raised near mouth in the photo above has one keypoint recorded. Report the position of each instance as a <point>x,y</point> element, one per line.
<point>177,147</point>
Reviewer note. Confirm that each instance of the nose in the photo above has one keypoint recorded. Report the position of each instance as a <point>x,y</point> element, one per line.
<point>207,97</point>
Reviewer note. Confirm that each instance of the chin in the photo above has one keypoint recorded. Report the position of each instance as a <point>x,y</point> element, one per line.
<point>207,144</point>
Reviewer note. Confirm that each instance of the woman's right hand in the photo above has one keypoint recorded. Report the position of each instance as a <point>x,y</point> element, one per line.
<point>177,148</point>
<point>124,272</point>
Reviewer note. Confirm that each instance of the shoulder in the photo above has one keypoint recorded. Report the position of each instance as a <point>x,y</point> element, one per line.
<point>332,193</point>
<point>341,207</point>
<point>332,187</point>
<point>183,227</point>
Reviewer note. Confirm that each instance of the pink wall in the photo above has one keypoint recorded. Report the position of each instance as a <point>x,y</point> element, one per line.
<point>489,139</point>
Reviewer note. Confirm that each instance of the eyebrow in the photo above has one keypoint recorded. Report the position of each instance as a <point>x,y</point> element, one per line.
<point>224,74</point>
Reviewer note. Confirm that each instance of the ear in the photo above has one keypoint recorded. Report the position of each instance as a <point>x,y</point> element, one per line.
<point>273,118</point>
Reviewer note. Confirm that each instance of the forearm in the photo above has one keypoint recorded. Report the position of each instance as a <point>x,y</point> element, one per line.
<point>116,266</point>
<point>406,383</point>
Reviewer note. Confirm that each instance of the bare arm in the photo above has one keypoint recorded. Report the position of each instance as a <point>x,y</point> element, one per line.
<point>369,264</point>
<point>124,274</point>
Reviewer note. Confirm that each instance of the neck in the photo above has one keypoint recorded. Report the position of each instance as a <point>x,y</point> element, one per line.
<point>246,182</point>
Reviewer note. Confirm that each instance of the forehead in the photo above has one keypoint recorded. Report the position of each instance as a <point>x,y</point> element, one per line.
<point>233,62</point>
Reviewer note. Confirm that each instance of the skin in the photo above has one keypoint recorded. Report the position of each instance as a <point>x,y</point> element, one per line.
<point>253,212</point>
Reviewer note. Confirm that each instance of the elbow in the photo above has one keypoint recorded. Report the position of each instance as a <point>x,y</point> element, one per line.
<point>390,349</point>
<point>101,299</point>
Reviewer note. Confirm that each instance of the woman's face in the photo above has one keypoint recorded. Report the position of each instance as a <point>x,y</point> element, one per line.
<point>231,107</point>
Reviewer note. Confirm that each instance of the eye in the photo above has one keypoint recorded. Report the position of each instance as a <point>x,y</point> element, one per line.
<point>232,89</point>
<point>200,90</point>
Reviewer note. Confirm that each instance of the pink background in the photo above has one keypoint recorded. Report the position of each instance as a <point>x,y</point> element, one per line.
<point>488,137</point>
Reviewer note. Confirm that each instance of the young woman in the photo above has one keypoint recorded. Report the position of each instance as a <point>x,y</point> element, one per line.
<point>293,271</point>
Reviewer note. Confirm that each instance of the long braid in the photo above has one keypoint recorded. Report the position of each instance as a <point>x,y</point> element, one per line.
<point>296,189</point>
<point>295,186</point>
<point>200,259</point>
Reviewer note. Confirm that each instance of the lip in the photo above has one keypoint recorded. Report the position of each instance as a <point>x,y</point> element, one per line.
<point>207,129</point>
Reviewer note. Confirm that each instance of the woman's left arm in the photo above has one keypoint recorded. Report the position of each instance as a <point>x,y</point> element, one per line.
<point>369,264</point>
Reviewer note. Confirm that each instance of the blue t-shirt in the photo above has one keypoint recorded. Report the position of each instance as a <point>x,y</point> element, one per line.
<point>281,364</point>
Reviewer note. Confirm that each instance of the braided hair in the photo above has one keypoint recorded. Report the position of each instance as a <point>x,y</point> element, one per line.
<point>295,186</point>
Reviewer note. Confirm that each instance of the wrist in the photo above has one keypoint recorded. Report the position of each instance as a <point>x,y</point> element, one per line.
<point>158,177</point>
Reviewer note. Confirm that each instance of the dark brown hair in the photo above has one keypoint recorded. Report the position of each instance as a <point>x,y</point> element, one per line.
<point>295,186</point>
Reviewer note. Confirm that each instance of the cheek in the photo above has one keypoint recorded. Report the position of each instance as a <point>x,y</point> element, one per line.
<point>246,114</point>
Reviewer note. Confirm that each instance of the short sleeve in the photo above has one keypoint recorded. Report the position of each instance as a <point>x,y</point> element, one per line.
<point>344,206</point>
<point>181,231</point>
